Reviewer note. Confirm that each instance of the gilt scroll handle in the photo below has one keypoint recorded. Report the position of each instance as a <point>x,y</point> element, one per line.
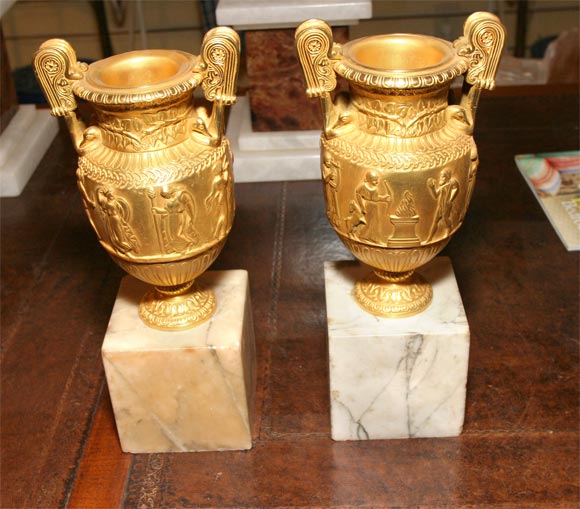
<point>56,66</point>
<point>220,61</point>
<point>481,45</point>
<point>316,51</point>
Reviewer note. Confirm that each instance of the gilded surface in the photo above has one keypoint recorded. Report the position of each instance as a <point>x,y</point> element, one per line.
<point>56,65</point>
<point>155,171</point>
<point>398,162</point>
<point>176,209</point>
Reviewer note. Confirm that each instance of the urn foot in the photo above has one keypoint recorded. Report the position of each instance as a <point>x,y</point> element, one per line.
<point>393,294</point>
<point>177,307</point>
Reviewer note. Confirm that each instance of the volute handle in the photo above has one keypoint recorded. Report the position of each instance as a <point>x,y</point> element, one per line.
<point>316,52</point>
<point>481,45</point>
<point>219,63</point>
<point>55,66</point>
<point>314,44</point>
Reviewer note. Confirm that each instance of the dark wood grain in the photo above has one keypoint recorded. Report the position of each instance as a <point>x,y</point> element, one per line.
<point>519,287</point>
<point>58,288</point>
<point>105,465</point>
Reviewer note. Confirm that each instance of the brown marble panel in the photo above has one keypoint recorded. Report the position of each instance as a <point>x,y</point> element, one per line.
<point>276,86</point>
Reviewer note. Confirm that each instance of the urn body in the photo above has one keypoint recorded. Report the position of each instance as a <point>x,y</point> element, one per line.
<point>155,171</point>
<point>398,162</point>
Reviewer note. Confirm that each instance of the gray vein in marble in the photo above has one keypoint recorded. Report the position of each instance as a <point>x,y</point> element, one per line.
<point>165,428</point>
<point>413,349</point>
<point>358,421</point>
<point>224,373</point>
<point>359,425</point>
<point>450,394</point>
<point>427,370</point>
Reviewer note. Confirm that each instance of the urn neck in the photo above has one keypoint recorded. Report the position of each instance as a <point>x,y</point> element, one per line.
<point>146,128</point>
<point>403,114</point>
<point>138,78</point>
<point>399,61</point>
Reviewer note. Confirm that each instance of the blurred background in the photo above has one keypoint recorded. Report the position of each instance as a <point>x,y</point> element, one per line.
<point>99,28</point>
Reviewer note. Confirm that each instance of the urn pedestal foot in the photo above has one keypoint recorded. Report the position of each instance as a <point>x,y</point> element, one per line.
<point>177,307</point>
<point>393,295</point>
<point>396,378</point>
<point>190,390</point>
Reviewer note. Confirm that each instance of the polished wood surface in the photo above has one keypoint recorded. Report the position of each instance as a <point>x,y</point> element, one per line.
<point>519,285</point>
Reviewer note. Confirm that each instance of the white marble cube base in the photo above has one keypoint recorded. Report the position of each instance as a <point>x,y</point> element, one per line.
<point>396,378</point>
<point>189,390</point>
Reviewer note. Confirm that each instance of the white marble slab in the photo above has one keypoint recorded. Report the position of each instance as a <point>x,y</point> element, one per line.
<point>265,157</point>
<point>186,390</point>
<point>249,140</point>
<point>396,378</point>
<point>22,145</point>
<point>263,14</point>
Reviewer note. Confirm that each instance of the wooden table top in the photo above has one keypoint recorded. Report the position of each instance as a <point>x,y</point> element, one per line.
<point>519,285</point>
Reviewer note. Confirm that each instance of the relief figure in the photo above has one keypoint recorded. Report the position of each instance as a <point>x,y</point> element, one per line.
<point>474,163</point>
<point>444,191</point>
<point>221,191</point>
<point>330,178</point>
<point>116,214</point>
<point>364,209</point>
<point>174,218</point>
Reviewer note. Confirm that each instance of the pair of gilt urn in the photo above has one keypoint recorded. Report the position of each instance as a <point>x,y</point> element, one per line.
<point>398,162</point>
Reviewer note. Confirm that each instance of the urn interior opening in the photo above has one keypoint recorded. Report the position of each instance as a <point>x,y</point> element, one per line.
<point>139,69</point>
<point>399,52</point>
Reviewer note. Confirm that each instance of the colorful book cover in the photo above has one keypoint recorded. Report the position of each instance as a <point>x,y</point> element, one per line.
<point>555,180</point>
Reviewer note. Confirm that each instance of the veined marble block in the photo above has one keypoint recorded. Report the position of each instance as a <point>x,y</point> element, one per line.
<point>189,390</point>
<point>396,378</point>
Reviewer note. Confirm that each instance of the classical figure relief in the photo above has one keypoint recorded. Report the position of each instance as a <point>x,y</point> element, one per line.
<point>364,208</point>
<point>404,221</point>
<point>174,215</point>
<point>330,178</point>
<point>473,165</point>
<point>221,192</point>
<point>116,215</point>
<point>444,191</point>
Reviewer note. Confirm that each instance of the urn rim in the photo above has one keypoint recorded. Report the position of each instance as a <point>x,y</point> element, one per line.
<point>400,61</point>
<point>142,76</point>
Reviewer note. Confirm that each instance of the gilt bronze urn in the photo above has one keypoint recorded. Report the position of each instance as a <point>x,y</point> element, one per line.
<point>398,161</point>
<point>155,171</point>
